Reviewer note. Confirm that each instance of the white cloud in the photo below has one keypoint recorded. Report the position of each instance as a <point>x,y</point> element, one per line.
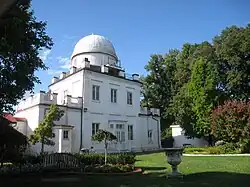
<point>44,54</point>
<point>65,61</point>
<point>53,72</point>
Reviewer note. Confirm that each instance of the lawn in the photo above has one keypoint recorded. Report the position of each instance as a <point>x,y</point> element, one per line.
<point>199,171</point>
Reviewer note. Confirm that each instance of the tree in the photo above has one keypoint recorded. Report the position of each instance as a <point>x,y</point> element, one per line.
<point>43,133</point>
<point>21,40</point>
<point>106,136</point>
<point>11,141</point>
<point>233,53</point>
<point>231,121</point>
<point>202,91</point>
<point>158,85</point>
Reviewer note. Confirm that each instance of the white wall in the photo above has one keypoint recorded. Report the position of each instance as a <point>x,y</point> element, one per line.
<point>73,84</point>
<point>98,59</point>
<point>180,138</point>
<point>104,106</point>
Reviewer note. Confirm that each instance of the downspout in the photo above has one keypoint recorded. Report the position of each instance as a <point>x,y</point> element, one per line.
<point>81,127</point>
<point>158,132</point>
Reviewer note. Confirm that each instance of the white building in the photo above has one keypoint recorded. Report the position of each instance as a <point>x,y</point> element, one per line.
<point>181,140</point>
<point>95,94</point>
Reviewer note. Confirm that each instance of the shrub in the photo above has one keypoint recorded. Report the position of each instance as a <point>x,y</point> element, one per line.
<point>231,121</point>
<point>228,148</point>
<point>109,168</point>
<point>94,159</point>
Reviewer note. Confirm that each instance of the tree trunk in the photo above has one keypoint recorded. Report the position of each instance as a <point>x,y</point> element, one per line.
<point>106,147</point>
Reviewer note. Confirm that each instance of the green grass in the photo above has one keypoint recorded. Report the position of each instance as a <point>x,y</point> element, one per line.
<point>199,171</point>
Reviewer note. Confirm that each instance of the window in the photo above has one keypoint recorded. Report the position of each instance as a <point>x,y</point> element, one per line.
<point>120,136</point>
<point>95,128</point>
<point>95,92</point>
<point>119,126</point>
<point>111,126</point>
<point>53,135</point>
<point>65,134</point>
<point>129,98</point>
<point>150,136</point>
<point>113,95</point>
<point>130,132</point>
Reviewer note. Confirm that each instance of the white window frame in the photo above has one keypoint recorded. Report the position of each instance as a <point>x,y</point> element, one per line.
<point>130,132</point>
<point>129,98</point>
<point>113,96</point>
<point>95,92</point>
<point>95,128</point>
<point>120,132</point>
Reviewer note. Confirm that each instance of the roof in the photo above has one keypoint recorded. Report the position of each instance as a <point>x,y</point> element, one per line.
<point>94,44</point>
<point>12,119</point>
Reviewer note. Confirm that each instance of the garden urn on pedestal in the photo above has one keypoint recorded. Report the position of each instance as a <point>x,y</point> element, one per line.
<point>174,158</point>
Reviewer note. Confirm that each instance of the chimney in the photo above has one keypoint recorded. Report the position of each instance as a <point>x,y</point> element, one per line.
<point>62,75</point>
<point>135,77</point>
<point>54,79</point>
<point>86,63</point>
<point>72,69</point>
<point>104,69</point>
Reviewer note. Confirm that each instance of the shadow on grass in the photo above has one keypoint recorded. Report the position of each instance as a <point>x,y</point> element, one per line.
<point>153,168</point>
<point>206,179</point>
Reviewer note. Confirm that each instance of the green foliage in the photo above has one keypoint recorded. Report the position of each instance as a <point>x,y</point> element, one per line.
<point>202,92</point>
<point>103,135</point>
<point>187,84</point>
<point>232,49</point>
<point>43,133</point>
<point>99,159</point>
<point>231,121</point>
<point>158,85</point>
<point>106,136</point>
<point>109,168</point>
<point>222,149</point>
<point>22,37</point>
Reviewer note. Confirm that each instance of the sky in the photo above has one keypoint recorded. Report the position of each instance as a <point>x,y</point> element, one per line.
<point>137,28</point>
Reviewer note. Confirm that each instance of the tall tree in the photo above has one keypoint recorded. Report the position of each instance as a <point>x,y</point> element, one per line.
<point>202,91</point>
<point>158,85</point>
<point>233,52</point>
<point>21,39</point>
<point>43,133</point>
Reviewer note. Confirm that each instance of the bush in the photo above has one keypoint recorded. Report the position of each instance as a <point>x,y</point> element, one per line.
<point>98,159</point>
<point>109,168</point>
<point>228,148</point>
<point>231,121</point>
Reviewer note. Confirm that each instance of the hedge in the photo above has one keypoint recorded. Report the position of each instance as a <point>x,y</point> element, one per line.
<point>222,149</point>
<point>94,159</point>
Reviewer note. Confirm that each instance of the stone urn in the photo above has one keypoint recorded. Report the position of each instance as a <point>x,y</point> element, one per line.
<point>174,158</point>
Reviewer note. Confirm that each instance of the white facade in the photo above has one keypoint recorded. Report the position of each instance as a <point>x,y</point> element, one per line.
<point>181,140</point>
<point>95,94</point>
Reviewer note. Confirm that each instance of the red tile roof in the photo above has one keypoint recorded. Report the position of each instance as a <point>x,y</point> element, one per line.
<point>12,119</point>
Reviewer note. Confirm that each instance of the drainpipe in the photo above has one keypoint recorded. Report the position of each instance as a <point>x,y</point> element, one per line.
<point>81,127</point>
<point>158,131</point>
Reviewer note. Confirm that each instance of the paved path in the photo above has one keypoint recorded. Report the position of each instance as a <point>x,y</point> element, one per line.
<point>216,155</point>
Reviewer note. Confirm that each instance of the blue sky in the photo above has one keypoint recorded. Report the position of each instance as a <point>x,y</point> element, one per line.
<point>137,28</point>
